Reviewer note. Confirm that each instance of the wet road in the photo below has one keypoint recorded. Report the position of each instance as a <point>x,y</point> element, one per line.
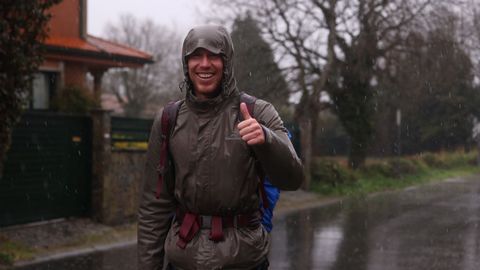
<point>431,227</point>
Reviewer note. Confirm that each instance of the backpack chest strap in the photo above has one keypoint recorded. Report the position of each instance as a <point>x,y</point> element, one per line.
<point>191,223</point>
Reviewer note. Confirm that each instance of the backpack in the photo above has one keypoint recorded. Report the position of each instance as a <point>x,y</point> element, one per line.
<point>273,195</point>
<point>268,192</point>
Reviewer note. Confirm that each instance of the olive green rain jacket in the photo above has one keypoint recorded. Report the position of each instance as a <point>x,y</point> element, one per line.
<point>214,172</point>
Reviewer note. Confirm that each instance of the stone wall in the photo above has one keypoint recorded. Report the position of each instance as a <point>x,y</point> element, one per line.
<point>116,176</point>
<point>124,175</point>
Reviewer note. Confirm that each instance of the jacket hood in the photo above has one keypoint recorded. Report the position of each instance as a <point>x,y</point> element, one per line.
<point>216,40</point>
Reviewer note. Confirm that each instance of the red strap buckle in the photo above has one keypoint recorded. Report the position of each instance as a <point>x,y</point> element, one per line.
<point>216,232</point>
<point>189,228</point>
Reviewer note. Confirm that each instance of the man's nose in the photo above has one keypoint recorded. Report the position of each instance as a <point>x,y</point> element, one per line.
<point>204,61</point>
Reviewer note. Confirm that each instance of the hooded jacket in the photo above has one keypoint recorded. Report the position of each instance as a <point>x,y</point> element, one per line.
<point>214,172</point>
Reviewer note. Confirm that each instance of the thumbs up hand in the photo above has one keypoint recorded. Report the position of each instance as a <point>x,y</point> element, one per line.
<point>250,130</point>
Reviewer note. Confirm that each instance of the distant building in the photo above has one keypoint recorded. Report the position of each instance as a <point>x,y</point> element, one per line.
<point>109,101</point>
<point>73,57</point>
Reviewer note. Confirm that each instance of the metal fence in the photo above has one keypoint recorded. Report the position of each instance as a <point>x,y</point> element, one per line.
<point>48,169</point>
<point>130,134</point>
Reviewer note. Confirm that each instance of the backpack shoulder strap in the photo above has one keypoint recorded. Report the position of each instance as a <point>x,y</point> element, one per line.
<point>249,101</point>
<point>169,117</point>
<point>168,120</point>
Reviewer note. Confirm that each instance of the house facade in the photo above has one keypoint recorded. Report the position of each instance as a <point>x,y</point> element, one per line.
<point>75,58</point>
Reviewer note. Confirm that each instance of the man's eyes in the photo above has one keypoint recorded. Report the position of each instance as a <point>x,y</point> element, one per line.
<point>214,56</point>
<point>209,56</point>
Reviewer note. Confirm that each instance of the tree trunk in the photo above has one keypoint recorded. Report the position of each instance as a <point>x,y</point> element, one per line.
<point>306,149</point>
<point>5,139</point>
<point>358,153</point>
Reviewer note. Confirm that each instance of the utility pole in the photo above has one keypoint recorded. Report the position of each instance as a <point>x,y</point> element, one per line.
<point>399,131</point>
<point>476,137</point>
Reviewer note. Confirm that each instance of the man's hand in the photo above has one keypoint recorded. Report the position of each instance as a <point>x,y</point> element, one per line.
<point>250,130</point>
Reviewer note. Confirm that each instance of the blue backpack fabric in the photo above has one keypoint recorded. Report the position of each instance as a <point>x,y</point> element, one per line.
<point>273,194</point>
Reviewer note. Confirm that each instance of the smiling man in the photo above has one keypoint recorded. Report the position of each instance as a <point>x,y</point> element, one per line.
<point>206,214</point>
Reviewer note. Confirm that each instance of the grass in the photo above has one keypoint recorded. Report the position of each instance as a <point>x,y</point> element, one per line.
<point>11,252</point>
<point>113,234</point>
<point>398,173</point>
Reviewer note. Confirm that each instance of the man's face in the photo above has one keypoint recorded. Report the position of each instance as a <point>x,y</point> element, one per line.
<point>205,70</point>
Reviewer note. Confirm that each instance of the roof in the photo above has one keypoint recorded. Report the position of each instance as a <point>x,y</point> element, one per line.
<point>96,50</point>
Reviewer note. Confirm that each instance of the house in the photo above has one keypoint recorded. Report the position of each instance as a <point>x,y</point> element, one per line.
<point>73,57</point>
<point>61,165</point>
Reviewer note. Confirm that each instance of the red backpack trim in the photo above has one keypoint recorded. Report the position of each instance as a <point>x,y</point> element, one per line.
<point>169,117</point>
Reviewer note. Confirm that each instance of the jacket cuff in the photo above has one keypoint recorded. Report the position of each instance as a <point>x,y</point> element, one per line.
<point>267,134</point>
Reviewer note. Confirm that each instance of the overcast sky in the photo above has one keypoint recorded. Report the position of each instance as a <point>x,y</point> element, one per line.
<point>176,14</point>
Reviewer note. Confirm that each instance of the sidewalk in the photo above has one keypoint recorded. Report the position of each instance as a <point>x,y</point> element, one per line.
<point>58,238</point>
<point>70,237</point>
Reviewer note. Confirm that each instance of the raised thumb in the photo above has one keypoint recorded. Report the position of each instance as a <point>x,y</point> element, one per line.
<point>243,108</point>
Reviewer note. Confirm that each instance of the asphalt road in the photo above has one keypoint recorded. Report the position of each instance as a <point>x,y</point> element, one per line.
<point>430,227</point>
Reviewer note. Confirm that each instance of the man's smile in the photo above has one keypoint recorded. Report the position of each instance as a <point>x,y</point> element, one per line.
<point>205,76</point>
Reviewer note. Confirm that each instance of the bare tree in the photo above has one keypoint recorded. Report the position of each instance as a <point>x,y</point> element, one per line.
<point>333,47</point>
<point>135,89</point>
<point>304,44</point>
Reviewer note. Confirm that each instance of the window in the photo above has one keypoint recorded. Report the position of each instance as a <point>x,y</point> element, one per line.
<point>44,84</point>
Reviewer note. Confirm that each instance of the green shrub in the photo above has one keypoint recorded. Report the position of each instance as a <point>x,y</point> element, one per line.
<point>5,259</point>
<point>460,158</point>
<point>331,173</point>
<point>392,168</point>
<point>380,174</point>
<point>473,161</point>
<point>449,160</point>
<point>433,160</point>
<point>74,99</point>
<point>419,164</point>
<point>402,167</point>
<point>383,169</point>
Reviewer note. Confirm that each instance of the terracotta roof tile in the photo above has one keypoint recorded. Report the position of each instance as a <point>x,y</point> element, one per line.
<point>73,43</point>
<point>116,48</point>
<point>97,45</point>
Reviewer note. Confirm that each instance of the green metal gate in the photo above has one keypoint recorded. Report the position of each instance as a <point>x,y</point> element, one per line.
<point>48,169</point>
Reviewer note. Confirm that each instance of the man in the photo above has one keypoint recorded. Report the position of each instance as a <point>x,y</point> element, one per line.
<point>207,214</point>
